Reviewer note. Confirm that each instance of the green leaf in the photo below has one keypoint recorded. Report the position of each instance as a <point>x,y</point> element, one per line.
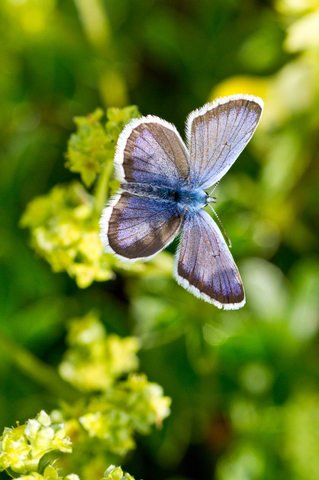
<point>12,473</point>
<point>48,459</point>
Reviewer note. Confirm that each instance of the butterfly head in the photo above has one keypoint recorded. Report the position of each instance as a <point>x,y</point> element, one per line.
<point>210,199</point>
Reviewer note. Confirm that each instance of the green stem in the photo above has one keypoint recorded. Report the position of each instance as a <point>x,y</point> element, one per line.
<point>101,192</point>
<point>37,370</point>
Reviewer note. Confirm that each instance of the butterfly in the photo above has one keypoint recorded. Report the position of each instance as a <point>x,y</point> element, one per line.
<point>162,194</point>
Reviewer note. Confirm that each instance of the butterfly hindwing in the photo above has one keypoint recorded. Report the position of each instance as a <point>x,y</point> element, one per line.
<point>217,133</point>
<point>205,265</point>
<point>135,228</point>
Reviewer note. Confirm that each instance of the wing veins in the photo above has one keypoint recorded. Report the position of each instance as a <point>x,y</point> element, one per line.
<point>140,220</point>
<point>160,146</point>
<point>232,147</point>
<point>223,276</point>
<point>222,140</point>
<point>147,161</point>
<point>146,235</point>
<point>171,156</point>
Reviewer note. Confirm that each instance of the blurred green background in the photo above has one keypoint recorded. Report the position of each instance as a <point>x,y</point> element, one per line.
<point>244,384</point>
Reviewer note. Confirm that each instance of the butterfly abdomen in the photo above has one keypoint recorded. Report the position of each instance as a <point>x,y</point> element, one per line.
<point>161,193</point>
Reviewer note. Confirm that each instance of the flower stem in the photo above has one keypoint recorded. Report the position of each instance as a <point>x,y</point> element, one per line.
<point>37,370</point>
<point>101,192</point>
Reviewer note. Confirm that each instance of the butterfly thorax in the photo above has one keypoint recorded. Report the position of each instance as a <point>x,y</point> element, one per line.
<point>186,198</point>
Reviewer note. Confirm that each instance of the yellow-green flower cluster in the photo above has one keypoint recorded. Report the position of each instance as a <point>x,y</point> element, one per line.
<point>28,452</point>
<point>64,224</point>
<point>92,146</point>
<point>22,447</point>
<point>64,230</point>
<point>132,405</point>
<point>94,359</point>
<point>94,363</point>
<point>145,402</point>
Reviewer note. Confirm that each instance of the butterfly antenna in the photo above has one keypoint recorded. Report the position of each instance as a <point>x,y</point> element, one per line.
<point>215,186</point>
<point>222,226</point>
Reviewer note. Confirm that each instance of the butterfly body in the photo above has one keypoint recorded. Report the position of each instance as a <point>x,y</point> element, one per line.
<point>185,199</point>
<point>162,194</point>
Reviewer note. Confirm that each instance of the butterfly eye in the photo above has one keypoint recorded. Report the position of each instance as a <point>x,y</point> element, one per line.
<point>210,199</point>
<point>176,196</point>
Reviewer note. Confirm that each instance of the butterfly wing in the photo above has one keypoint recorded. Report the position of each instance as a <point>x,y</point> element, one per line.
<point>205,265</point>
<point>217,133</point>
<point>135,228</point>
<point>150,150</point>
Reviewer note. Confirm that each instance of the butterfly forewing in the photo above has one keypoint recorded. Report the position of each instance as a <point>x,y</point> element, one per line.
<point>205,265</point>
<point>151,150</point>
<point>135,228</point>
<point>217,133</point>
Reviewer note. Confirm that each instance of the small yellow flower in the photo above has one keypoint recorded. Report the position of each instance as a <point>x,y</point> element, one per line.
<point>33,476</point>
<point>147,401</point>
<point>116,473</point>
<point>94,424</point>
<point>50,473</point>
<point>122,354</point>
<point>72,476</point>
<point>15,449</point>
<point>23,447</point>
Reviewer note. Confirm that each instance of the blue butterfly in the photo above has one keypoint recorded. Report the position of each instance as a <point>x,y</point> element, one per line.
<point>162,194</point>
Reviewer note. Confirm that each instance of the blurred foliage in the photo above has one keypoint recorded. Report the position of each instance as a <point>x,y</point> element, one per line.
<point>244,384</point>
